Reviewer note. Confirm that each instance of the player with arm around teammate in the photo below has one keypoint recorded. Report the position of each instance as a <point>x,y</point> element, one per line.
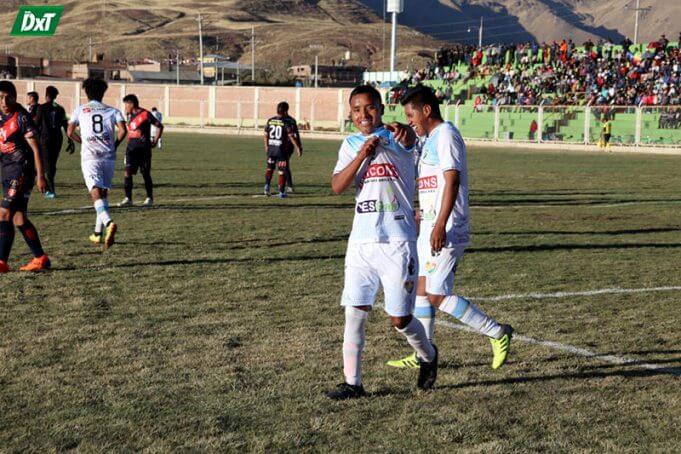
<point>21,168</point>
<point>444,225</point>
<point>279,137</point>
<point>102,129</point>
<point>381,249</point>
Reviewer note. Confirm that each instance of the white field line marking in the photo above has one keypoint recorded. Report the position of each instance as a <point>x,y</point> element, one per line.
<point>571,349</point>
<point>167,202</point>
<point>603,291</point>
<point>486,207</point>
<point>593,205</point>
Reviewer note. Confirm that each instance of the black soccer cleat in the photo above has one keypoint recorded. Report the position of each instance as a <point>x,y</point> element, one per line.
<point>345,391</point>
<point>428,373</point>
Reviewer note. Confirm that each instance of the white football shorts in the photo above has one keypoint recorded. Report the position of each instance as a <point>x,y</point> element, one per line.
<point>439,270</point>
<point>392,266</point>
<point>98,173</point>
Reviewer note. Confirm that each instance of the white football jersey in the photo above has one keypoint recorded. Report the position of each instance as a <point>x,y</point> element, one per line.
<point>97,124</point>
<point>385,186</point>
<point>443,150</point>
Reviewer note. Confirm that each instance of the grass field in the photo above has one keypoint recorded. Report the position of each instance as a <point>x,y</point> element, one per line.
<point>214,323</point>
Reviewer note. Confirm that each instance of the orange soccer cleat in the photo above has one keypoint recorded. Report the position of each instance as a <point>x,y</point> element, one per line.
<point>4,267</point>
<point>37,264</point>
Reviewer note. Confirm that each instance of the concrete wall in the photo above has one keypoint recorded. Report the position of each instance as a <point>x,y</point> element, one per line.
<point>323,108</point>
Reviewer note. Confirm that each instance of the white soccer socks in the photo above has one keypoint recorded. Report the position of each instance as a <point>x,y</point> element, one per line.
<point>353,344</point>
<point>98,226</point>
<point>416,336</point>
<point>425,313</point>
<point>102,209</point>
<point>469,314</point>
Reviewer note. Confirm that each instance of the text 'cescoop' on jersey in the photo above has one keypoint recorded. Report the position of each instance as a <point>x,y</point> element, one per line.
<point>385,186</point>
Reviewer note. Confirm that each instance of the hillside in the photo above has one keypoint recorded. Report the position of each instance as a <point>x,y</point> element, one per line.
<point>541,20</point>
<point>284,30</point>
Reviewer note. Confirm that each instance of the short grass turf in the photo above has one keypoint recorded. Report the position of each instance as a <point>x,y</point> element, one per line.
<point>214,322</point>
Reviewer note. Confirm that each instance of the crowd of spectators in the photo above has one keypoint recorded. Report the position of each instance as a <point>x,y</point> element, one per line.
<point>560,73</point>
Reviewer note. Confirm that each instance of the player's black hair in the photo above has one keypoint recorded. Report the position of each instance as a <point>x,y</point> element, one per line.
<point>95,88</point>
<point>154,109</point>
<point>366,90</point>
<point>282,108</point>
<point>9,88</point>
<point>132,99</point>
<point>51,92</point>
<point>420,96</point>
<point>33,95</point>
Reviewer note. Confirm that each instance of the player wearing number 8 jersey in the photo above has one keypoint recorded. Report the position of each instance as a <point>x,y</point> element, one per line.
<point>102,128</point>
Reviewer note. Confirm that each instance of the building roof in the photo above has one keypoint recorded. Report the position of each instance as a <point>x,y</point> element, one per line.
<point>165,75</point>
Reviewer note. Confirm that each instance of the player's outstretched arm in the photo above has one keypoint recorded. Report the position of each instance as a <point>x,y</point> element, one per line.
<point>404,135</point>
<point>121,132</point>
<point>71,133</point>
<point>343,179</point>
<point>39,169</point>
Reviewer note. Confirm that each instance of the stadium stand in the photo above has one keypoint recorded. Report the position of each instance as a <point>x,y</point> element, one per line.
<point>619,81</point>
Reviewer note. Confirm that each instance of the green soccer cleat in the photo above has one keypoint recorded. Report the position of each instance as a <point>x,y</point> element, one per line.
<point>501,347</point>
<point>96,238</point>
<point>409,362</point>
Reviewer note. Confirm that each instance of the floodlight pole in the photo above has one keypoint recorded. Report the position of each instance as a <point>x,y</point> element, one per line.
<point>200,48</point>
<point>480,34</point>
<point>177,67</point>
<point>253,54</point>
<point>393,45</point>
<point>383,47</point>
<point>316,71</point>
<point>638,9</point>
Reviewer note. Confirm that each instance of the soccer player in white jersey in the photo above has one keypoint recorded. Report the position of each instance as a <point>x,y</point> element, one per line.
<point>102,129</point>
<point>159,116</point>
<point>381,248</point>
<point>444,226</point>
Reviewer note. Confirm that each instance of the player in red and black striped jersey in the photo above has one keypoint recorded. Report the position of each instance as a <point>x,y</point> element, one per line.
<point>20,163</point>
<point>140,143</point>
<point>280,140</point>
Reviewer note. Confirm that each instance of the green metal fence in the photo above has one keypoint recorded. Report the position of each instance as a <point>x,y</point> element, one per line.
<point>630,125</point>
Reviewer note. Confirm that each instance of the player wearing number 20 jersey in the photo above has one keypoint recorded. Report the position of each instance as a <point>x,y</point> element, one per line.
<point>280,136</point>
<point>102,128</point>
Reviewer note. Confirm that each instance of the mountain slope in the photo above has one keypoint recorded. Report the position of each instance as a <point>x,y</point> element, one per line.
<point>285,29</point>
<point>543,20</point>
